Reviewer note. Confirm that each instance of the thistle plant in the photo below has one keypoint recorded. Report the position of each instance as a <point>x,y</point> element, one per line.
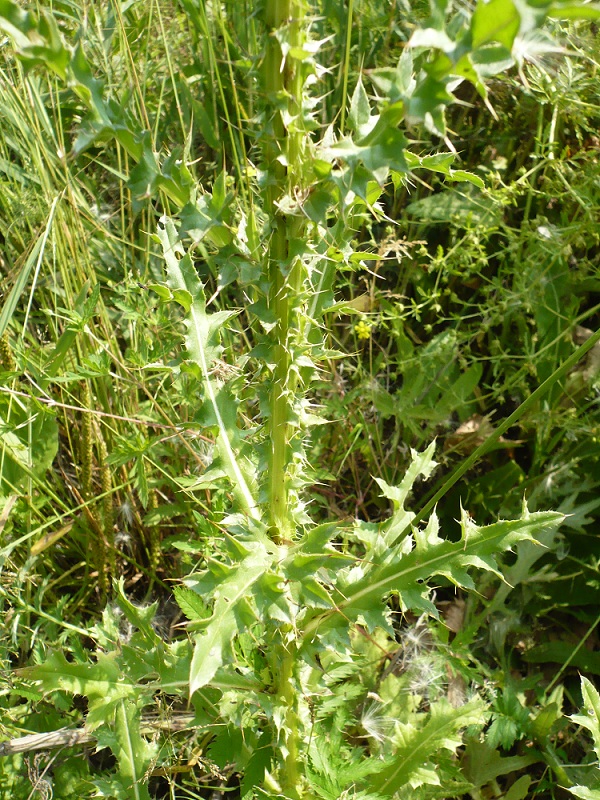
<point>290,628</point>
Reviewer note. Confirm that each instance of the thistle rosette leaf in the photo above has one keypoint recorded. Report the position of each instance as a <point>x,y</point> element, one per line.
<point>115,697</point>
<point>39,41</point>
<point>102,683</point>
<point>134,753</point>
<point>421,466</point>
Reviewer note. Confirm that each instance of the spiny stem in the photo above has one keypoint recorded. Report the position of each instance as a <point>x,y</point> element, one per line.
<point>284,163</point>
<point>290,775</point>
<point>284,160</point>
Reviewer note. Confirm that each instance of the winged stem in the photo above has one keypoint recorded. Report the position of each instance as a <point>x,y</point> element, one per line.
<point>284,153</point>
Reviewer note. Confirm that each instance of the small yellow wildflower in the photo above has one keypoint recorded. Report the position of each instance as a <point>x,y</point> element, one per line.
<point>363,330</point>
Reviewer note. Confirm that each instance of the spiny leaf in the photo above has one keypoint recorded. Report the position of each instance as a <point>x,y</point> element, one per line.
<point>422,464</point>
<point>231,596</point>
<point>134,754</point>
<point>138,616</point>
<point>360,119</point>
<point>416,746</point>
<point>591,719</point>
<point>203,346</point>
<point>403,572</point>
<point>102,683</point>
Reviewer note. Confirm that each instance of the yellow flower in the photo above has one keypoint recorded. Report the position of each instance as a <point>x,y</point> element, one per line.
<point>363,330</point>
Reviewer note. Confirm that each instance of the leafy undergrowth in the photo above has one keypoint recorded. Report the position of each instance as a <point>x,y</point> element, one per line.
<point>432,658</point>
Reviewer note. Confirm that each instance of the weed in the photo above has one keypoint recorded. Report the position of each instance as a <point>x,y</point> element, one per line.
<point>290,658</point>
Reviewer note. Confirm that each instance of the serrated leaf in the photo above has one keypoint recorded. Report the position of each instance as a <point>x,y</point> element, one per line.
<point>211,646</point>
<point>591,719</point>
<point>227,747</point>
<point>203,347</point>
<point>482,763</point>
<point>190,603</point>
<point>139,616</point>
<point>462,176</point>
<point>421,465</point>
<point>430,556</point>
<point>111,788</point>
<point>259,761</point>
<point>416,746</point>
<point>102,683</point>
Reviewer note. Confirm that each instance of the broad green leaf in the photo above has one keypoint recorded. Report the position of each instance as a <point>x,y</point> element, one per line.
<point>90,89</point>
<point>466,203</point>
<point>134,754</point>
<point>40,42</point>
<point>431,39</point>
<point>102,683</point>
<point>520,788</point>
<point>37,42</point>
<point>482,763</point>
<point>110,787</point>
<point>462,176</point>
<point>496,21</point>
<point>18,24</point>
<point>565,652</point>
<point>569,10</point>
<point>191,603</point>
<point>28,442</point>
<point>584,792</point>
<point>259,761</point>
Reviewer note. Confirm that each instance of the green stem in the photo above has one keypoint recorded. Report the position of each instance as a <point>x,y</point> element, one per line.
<point>290,773</point>
<point>346,66</point>
<point>284,156</point>
<point>284,161</point>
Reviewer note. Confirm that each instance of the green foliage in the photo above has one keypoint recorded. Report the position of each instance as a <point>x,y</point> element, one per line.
<point>307,673</point>
<point>590,721</point>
